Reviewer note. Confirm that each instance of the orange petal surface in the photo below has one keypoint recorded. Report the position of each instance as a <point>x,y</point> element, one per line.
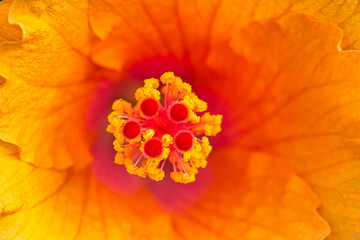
<point>246,200</point>
<point>296,98</point>
<point>68,19</point>
<point>8,32</point>
<point>254,196</point>
<point>345,14</point>
<point>45,96</point>
<point>131,30</point>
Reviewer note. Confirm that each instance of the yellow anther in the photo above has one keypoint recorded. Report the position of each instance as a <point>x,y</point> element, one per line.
<point>143,93</point>
<point>148,134</point>
<point>119,158</point>
<point>187,87</point>
<point>151,83</point>
<point>132,169</point>
<point>182,177</point>
<point>170,78</point>
<point>118,134</point>
<point>194,153</point>
<point>115,128</point>
<point>212,124</point>
<point>193,118</point>
<point>190,106</point>
<point>205,144</point>
<point>198,154</point>
<point>156,174</point>
<point>114,120</point>
<point>187,101</point>
<point>164,154</point>
<point>118,145</point>
<point>110,128</point>
<point>120,106</point>
<point>140,171</point>
<point>176,85</point>
<point>194,103</point>
<point>199,105</point>
<point>149,90</point>
<point>151,164</point>
<point>166,140</point>
<point>122,156</point>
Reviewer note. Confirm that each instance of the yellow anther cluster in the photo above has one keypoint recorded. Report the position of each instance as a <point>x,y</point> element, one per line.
<point>167,140</point>
<point>178,87</point>
<point>198,154</point>
<point>157,174</point>
<point>170,78</point>
<point>148,134</point>
<point>185,178</point>
<point>194,104</point>
<point>118,145</point>
<point>148,91</point>
<point>211,124</point>
<point>121,157</point>
<point>120,107</point>
<point>130,168</point>
<point>151,83</point>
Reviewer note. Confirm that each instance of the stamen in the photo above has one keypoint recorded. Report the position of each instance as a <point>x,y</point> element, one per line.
<point>180,163</point>
<point>138,159</point>
<point>149,133</point>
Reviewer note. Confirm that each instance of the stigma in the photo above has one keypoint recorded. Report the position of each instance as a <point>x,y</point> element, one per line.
<point>168,125</point>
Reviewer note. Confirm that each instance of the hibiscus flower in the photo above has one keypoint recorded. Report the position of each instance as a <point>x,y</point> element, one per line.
<point>284,76</point>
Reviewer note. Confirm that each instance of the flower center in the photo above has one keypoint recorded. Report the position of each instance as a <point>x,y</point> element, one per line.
<point>151,132</point>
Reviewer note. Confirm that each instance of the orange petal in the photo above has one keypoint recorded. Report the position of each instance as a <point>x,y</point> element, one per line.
<point>136,29</point>
<point>49,204</point>
<point>132,30</point>
<point>8,32</point>
<point>232,15</point>
<point>345,14</point>
<point>297,98</point>
<point>67,18</point>
<point>44,98</point>
<point>253,196</point>
<point>23,185</point>
<point>249,201</point>
<point>83,209</point>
